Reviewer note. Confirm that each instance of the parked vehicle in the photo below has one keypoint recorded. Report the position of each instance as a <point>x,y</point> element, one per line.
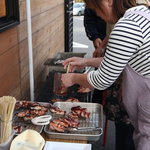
<point>78,9</point>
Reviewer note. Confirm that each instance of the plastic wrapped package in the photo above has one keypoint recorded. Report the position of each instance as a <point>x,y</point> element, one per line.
<point>6,145</point>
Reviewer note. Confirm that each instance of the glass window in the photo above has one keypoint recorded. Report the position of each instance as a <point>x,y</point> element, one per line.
<point>9,14</point>
<point>2,8</point>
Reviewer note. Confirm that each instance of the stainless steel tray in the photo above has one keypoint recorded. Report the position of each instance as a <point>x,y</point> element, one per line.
<point>65,55</point>
<point>27,124</point>
<point>61,56</point>
<point>95,120</point>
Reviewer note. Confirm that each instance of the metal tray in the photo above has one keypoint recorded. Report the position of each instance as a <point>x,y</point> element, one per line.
<point>65,55</point>
<point>27,124</point>
<point>62,56</point>
<point>95,120</point>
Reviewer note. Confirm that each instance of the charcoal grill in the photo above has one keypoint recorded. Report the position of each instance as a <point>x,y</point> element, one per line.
<point>56,67</point>
<point>53,66</point>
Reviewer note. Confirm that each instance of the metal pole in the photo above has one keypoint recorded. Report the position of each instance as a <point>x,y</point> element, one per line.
<point>30,52</point>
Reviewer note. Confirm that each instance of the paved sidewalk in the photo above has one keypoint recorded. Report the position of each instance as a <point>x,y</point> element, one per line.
<point>110,142</point>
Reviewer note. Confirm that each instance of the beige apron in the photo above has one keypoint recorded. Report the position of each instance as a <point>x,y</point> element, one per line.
<point>136,98</point>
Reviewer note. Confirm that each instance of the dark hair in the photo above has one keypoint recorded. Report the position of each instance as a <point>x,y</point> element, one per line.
<point>119,6</point>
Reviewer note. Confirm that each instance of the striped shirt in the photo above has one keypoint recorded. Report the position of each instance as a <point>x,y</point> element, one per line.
<point>129,43</point>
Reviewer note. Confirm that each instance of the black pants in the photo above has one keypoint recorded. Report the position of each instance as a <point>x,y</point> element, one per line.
<point>124,134</point>
<point>97,96</point>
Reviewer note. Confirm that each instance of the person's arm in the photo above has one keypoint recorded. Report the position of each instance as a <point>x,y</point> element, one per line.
<point>78,62</point>
<point>91,25</point>
<point>122,45</point>
<point>100,50</point>
<point>120,49</point>
<point>95,29</point>
<point>76,78</point>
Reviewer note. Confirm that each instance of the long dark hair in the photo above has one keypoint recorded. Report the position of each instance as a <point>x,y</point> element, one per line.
<point>119,6</point>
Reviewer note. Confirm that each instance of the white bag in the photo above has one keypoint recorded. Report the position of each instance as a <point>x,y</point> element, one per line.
<point>28,140</point>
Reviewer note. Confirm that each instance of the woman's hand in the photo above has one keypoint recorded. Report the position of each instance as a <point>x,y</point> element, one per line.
<point>67,79</point>
<point>97,44</point>
<point>78,62</point>
<point>70,79</point>
<point>99,47</point>
<point>99,51</point>
<point>75,63</point>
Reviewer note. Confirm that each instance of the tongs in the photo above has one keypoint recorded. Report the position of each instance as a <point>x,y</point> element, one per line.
<point>84,129</point>
<point>42,120</point>
<point>58,62</point>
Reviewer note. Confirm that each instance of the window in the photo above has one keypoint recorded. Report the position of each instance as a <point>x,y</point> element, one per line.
<point>9,14</point>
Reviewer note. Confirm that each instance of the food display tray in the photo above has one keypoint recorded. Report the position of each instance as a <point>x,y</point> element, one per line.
<point>95,120</point>
<point>27,124</point>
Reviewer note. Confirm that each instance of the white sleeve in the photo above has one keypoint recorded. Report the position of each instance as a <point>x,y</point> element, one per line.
<point>124,42</point>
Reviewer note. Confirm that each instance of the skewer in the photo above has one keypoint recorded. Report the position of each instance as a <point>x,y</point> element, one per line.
<point>68,68</point>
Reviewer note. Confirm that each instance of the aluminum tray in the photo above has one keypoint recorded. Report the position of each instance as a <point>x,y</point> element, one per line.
<point>27,124</point>
<point>95,120</point>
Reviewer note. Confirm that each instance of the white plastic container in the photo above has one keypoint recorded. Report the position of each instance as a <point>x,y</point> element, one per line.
<point>66,146</point>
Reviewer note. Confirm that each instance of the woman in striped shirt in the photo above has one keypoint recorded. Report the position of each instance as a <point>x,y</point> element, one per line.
<point>128,51</point>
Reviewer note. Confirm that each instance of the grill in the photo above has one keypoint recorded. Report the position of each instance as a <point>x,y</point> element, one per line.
<point>46,91</point>
<point>54,66</point>
<point>62,56</point>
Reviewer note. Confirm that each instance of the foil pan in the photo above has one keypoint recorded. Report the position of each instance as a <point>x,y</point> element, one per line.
<point>95,120</point>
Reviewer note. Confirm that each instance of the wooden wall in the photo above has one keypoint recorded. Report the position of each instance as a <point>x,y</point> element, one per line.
<point>48,39</point>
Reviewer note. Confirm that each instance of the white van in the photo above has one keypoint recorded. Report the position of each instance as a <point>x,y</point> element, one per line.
<point>78,9</point>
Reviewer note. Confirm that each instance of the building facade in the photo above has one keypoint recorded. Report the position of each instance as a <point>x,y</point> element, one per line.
<point>48,39</point>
